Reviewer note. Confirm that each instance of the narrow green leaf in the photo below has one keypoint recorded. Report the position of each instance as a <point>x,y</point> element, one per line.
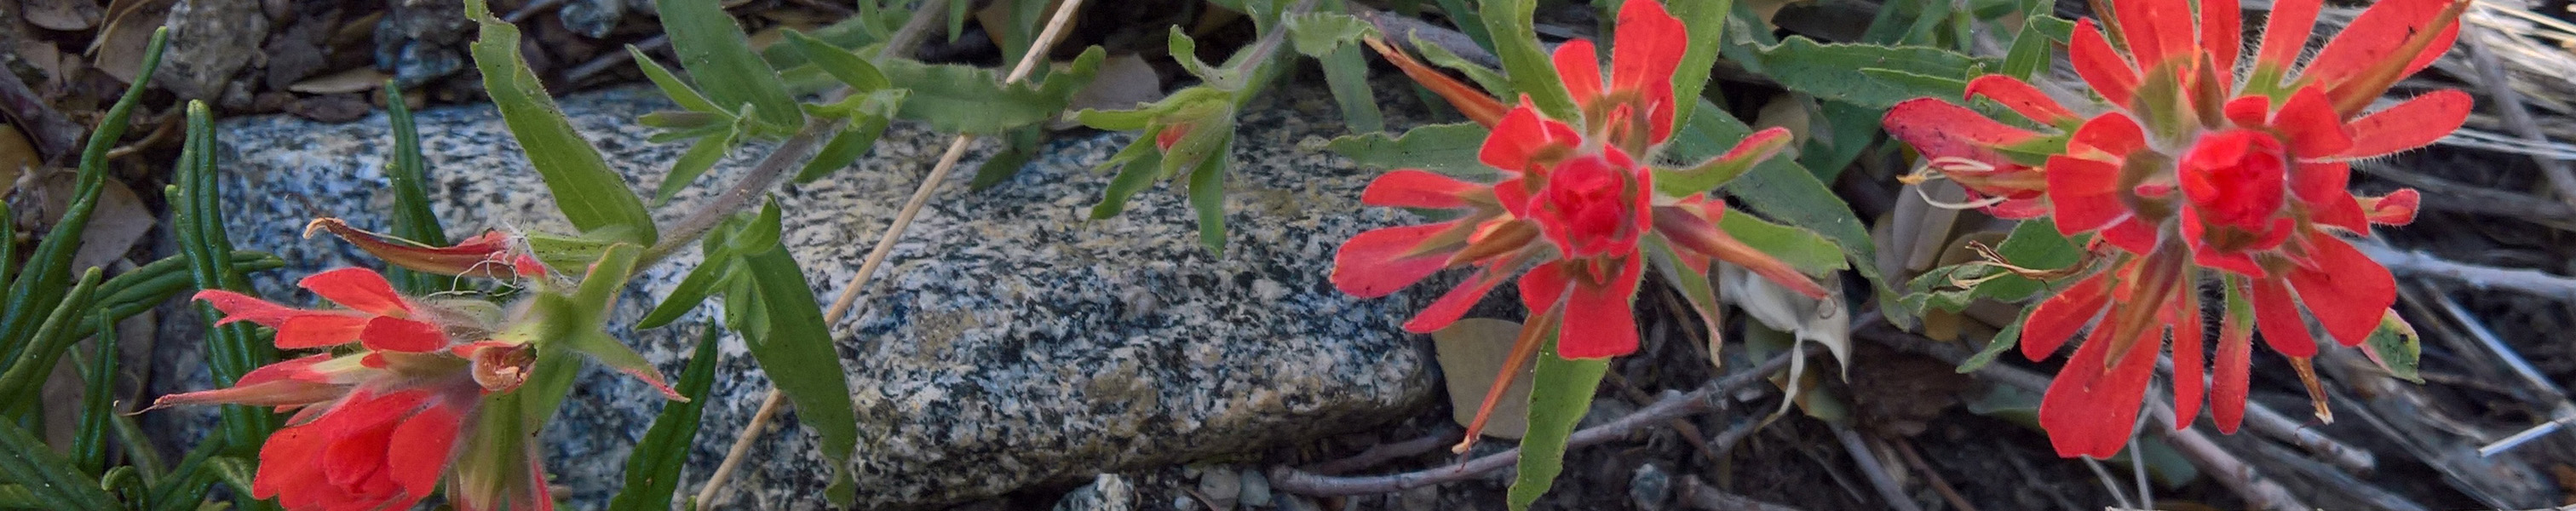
<point>1186,51</point>
<point>702,281</point>
<point>48,271</point>
<point>717,54</point>
<point>412,218</point>
<point>968,99</point>
<point>856,139</point>
<point>2034,244</point>
<point>794,346</point>
<point>841,64</point>
<point>1464,15</point>
<point>26,374</point>
<point>1137,173</point>
<point>1805,250</point>
<point>1515,40</point>
<point>1317,34</point>
<point>1837,71</point>
<point>98,399</point>
<point>702,155</point>
<point>1444,148</point>
<point>2029,53</point>
<point>1347,74</point>
<point>1780,190</point>
<point>197,207</point>
<point>1207,196</point>
<point>591,195</point>
<point>679,91</point>
<point>2004,341</point>
<point>1706,22</point>
<point>957,10</point>
<point>1560,393</point>
<point>1019,146</point>
<point>653,469</point>
<point>1848,131</point>
<point>1486,78</point>
<point>49,479</point>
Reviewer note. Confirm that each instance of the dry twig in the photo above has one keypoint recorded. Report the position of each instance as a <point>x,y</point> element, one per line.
<point>2417,263</point>
<point>2499,86</point>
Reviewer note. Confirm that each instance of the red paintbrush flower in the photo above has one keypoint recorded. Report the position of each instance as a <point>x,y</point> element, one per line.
<point>2185,167</point>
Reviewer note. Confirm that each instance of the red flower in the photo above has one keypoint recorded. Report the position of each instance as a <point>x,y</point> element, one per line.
<point>2186,167</point>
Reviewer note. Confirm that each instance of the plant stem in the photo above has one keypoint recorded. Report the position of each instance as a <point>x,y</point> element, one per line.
<point>765,175</point>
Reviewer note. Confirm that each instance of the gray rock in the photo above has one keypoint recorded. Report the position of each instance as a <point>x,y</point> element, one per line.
<point>208,43</point>
<point>1107,492</point>
<point>1256,489</point>
<point>1221,486</point>
<point>1009,343</point>
<point>1650,486</point>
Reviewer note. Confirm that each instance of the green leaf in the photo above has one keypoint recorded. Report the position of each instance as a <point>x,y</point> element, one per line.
<point>2396,348</point>
<point>40,284</point>
<point>794,346</point>
<point>680,92</point>
<point>27,372</point>
<point>841,64</point>
<point>1448,149</point>
<point>1485,78</point>
<point>702,155</point>
<point>1693,286</point>
<point>653,470</point>
<point>1019,146</point>
<point>1706,23</point>
<point>47,478</point>
<point>1317,34</point>
<point>1515,39</point>
<point>717,54</point>
<point>2029,53</point>
<point>1137,173</point>
<point>412,218</point>
<point>1207,196</point>
<point>98,400</point>
<point>2003,341</point>
<point>1805,250</point>
<point>2034,244</point>
<point>1186,51</point>
<point>1560,393</point>
<point>1868,75</point>
<point>1464,15</point>
<point>1780,190</point>
<point>868,123</point>
<point>197,222</point>
<point>591,194</point>
<point>968,99</point>
<point>716,270</point>
<point>1347,74</point>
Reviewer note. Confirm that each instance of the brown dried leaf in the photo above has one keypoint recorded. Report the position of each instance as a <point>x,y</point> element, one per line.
<point>1471,352</point>
<point>64,15</point>
<point>118,48</point>
<point>330,108</point>
<point>16,155</point>
<point>360,79</point>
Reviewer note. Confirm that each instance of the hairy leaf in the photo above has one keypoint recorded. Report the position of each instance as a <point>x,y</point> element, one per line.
<point>969,99</point>
<point>591,195</point>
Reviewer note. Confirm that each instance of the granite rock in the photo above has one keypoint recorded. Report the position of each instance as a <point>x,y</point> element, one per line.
<point>1009,343</point>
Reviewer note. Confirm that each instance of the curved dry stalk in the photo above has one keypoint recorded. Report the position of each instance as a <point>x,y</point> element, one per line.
<point>885,243</point>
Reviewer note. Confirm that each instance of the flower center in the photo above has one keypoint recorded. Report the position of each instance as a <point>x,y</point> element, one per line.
<point>2235,178</point>
<point>1592,199</point>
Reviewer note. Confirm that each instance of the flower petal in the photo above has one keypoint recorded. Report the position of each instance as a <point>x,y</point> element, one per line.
<point>2092,406</point>
<point>2221,36</point>
<point>2188,367</point>
<point>2375,38</point>
<point>2277,315</point>
<point>1939,128</point>
<point>1543,287</point>
<point>386,333</point>
<point>1522,136</point>
<point>2155,30</point>
<point>241,307</point>
<point>1458,300</point>
<point>1379,262</point>
<point>2059,317</point>
<point>1469,101</point>
<point>287,471</point>
<point>1413,188</point>
<point>2414,123</point>
<point>428,441</point>
<point>2352,290</point>
<point>320,330</point>
<point>2235,358</point>
<point>2398,208</point>
<point>2204,253</point>
<point>2311,125</point>
<point>2321,187</point>
<point>2085,194</point>
<point>2101,66</point>
<point>1601,321</point>
<point>2111,133</point>
<point>1649,49</point>
<point>358,289</point>
<point>2019,96</point>
<point>1579,65</point>
<point>2285,34</point>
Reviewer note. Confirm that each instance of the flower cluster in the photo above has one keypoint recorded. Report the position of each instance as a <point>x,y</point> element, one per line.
<point>2186,170</point>
<point>1574,206</point>
<point>398,400</point>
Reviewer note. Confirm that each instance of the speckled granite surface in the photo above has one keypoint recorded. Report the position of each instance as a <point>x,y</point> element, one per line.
<point>1009,343</point>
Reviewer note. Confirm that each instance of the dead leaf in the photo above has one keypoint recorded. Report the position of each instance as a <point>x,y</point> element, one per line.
<point>334,108</point>
<point>1471,352</point>
<point>66,15</point>
<point>360,79</point>
<point>119,221</point>
<point>16,155</point>
<point>118,48</point>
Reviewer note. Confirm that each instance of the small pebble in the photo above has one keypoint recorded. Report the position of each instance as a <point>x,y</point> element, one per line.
<point>1221,486</point>
<point>1650,487</point>
<point>1256,489</point>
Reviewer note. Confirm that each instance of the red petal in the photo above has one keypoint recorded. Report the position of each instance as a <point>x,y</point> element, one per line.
<point>241,307</point>
<point>1649,49</point>
<point>1600,321</point>
<point>2353,291</point>
<point>2321,186</point>
<point>1469,101</point>
<point>2398,208</point>
<point>2374,38</point>
<point>2019,96</point>
<point>2414,123</point>
<point>357,457</point>
<point>1375,263</point>
<point>2203,253</point>
<point>1523,135</point>
<point>2100,65</point>
<point>358,289</point>
<point>428,441</point>
<point>2311,125</point>
<point>287,471</point>
<point>1940,128</point>
<point>2057,319</point>
<point>1410,188</point>
<point>2222,36</point>
<point>2084,193</point>
<point>2278,317</point>
<point>1455,303</point>
<point>2092,406</point>
<point>319,330</point>
<point>2235,358</point>
<point>2111,133</point>
<point>2252,112</point>
<point>1580,66</point>
<point>2285,33</point>
<point>2155,30</point>
<point>396,334</point>
<point>2187,354</point>
<point>1543,287</point>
